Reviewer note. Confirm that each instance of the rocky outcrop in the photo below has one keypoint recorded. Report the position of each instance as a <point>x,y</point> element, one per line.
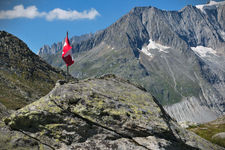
<point>99,113</point>
<point>220,136</point>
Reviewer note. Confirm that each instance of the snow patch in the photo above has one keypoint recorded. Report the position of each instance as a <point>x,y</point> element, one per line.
<point>222,33</point>
<point>210,5</point>
<point>154,45</point>
<point>146,52</point>
<point>204,51</point>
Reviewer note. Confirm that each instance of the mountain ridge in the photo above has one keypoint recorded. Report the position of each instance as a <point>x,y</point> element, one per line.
<point>55,47</point>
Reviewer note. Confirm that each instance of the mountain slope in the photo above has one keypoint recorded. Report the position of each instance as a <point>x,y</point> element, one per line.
<point>100,113</point>
<point>24,77</point>
<point>178,56</point>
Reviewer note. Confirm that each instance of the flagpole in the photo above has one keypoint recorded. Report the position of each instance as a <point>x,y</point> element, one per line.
<point>67,76</point>
<point>67,69</point>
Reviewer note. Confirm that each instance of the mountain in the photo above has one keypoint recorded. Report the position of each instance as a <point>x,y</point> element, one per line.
<point>178,56</point>
<point>98,113</point>
<point>24,77</point>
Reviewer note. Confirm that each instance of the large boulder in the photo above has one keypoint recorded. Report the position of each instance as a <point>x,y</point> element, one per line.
<point>101,113</point>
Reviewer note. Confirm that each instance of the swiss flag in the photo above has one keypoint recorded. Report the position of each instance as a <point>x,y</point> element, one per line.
<point>67,52</point>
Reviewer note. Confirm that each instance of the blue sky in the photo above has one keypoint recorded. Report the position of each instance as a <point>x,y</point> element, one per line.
<point>39,22</point>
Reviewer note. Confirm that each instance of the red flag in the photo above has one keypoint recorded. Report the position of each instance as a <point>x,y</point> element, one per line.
<point>67,52</point>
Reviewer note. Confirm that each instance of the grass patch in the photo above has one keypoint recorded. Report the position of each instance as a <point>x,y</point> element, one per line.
<point>207,130</point>
<point>13,102</point>
<point>20,89</point>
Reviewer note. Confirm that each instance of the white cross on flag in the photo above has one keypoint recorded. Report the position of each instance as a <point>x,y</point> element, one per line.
<point>67,52</point>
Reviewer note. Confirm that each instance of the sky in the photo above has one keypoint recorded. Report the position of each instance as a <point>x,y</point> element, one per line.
<point>39,22</point>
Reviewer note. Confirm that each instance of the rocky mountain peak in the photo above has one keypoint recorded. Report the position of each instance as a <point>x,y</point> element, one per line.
<point>56,47</point>
<point>9,40</point>
<point>44,49</point>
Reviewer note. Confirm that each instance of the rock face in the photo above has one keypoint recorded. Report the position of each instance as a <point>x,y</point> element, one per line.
<point>220,135</point>
<point>101,113</point>
<point>24,77</point>
<point>178,56</point>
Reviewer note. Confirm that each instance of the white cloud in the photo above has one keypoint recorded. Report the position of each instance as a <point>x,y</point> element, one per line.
<point>32,12</point>
<point>61,14</point>
<point>19,12</point>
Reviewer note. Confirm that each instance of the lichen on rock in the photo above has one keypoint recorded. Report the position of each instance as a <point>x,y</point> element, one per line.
<point>102,113</point>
